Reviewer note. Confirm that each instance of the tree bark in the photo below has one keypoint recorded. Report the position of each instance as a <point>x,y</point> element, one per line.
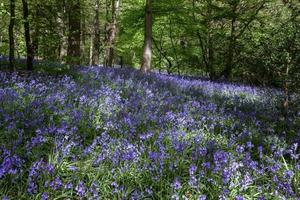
<point>11,37</point>
<point>147,52</point>
<point>73,50</point>
<point>160,50</point>
<point>163,54</point>
<point>29,47</point>
<point>206,48</point>
<point>173,45</point>
<point>96,36</point>
<point>62,20</point>
<point>231,47</point>
<point>36,30</point>
<point>109,54</point>
<point>235,34</point>
<point>286,93</point>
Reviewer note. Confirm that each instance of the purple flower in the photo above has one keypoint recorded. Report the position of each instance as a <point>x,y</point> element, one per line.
<point>239,149</point>
<point>192,169</point>
<point>176,184</point>
<point>80,189</point>
<point>56,184</point>
<point>293,151</point>
<point>220,159</point>
<point>225,192</point>
<point>153,155</point>
<point>239,197</point>
<point>32,187</point>
<point>193,181</point>
<point>114,184</point>
<point>72,168</point>
<point>206,165</point>
<point>94,190</point>
<point>226,175</point>
<point>202,151</point>
<point>148,191</point>
<point>45,196</point>
<point>260,150</point>
<point>40,167</point>
<point>247,180</point>
<point>249,145</point>
<point>10,165</point>
<point>36,141</point>
<point>5,198</point>
<point>46,184</point>
<point>202,197</point>
<point>69,186</point>
<point>175,197</point>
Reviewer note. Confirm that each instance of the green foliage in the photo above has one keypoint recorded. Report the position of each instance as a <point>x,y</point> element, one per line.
<point>258,39</point>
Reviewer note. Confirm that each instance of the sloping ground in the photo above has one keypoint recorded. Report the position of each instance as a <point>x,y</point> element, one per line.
<point>117,134</point>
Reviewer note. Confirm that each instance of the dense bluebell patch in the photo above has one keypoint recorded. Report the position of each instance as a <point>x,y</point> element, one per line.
<point>118,134</point>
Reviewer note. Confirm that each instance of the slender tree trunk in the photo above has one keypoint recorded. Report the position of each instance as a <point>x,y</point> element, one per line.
<point>62,20</point>
<point>91,52</point>
<point>203,51</point>
<point>231,47</point>
<point>173,45</point>
<point>107,19</point>
<point>160,50</point>
<point>11,37</point>
<point>147,52</point>
<point>35,42</point>
<point>96,36</point>
<point>121,61</point>
<point>29,47</point>
<point>74,36</point>
<point>109,55</point>
<point>210,44</point>
<point>210,52</point>
<point>206,48</point>
<point>286,93</point>
<point>163,54</point>
<point>83,38</point>
<point>36,30</point>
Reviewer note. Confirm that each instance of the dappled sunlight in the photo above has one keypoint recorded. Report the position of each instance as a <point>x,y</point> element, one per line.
<point>114,133</point>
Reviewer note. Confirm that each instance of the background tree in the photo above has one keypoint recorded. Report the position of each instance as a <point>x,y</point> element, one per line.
<point>74,32</point>
<point>254,41</point>
<point>112,33</point>
<point>147,52</point>
<point>11,36</point>
<point>96,36</point>
<point>29,47</point>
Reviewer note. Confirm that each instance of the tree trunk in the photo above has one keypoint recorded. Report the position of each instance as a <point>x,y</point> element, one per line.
<point>160,50</point>
<point>206,49</point>
<point>91,50</point>
<point>163,54</point>
<point>231,47</point>
<point>109,55</point>
<point>73,50</point>
<point>11,37</point>
<point>210,49</point>
<point>235,34</point>
<point>147,52</point>
<point>36,30</point>
<point>62,20</point>
<point>96,36</point>
<point>173,46</point>
<point>29,47</point>
<point>83,32</point>
<point>210,52</point>
<point>286,94</point>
